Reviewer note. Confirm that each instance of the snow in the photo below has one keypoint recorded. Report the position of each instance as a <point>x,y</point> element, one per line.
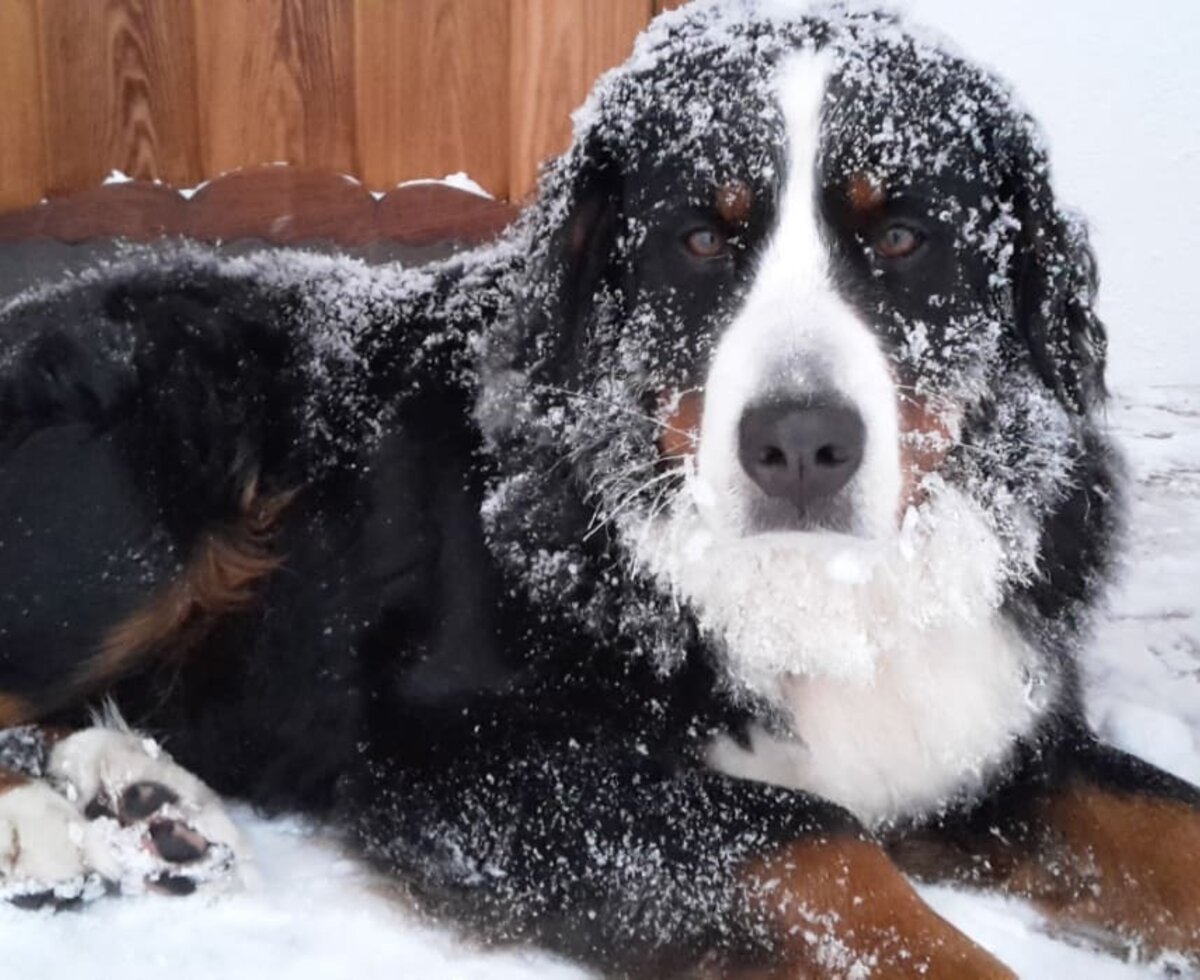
<point>873,597</point>
<point>317,915</point>
<point>1114,87</point>
<point>458,180</point>
<point>320,916</point>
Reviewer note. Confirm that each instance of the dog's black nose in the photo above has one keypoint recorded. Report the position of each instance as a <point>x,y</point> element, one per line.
<point>799,452</point>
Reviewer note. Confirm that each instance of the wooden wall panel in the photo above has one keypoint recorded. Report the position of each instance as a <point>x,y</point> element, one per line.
<point>276,83</point>
<point>386,90</point>
<point>559,47</point>
<point>22,160</point>
<point>661,5</point>
<point>432,90</point>
<point>118,83</point>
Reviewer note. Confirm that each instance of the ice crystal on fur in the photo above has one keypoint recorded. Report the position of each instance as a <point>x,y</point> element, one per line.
<point>920,111</point>
<point>826,604</point>
<point>23,750</point>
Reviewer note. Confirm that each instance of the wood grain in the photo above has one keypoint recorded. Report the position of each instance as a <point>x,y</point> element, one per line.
<point>559,47</point>
<point>276,83</point>
<point>142,211</point>
<point>282,204</point>
<point>22,158</point>
<point>432,90</point>
<point>118,91</point>
<point>423,214</point>
<point>386,90</point>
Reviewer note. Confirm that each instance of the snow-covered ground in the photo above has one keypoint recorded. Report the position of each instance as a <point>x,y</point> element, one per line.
<point>1116,86</point>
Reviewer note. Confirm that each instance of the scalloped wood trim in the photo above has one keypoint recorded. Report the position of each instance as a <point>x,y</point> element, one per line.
<point>281,205</point>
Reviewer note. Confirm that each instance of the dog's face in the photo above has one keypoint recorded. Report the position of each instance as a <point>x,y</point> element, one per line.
<point>802,273</point>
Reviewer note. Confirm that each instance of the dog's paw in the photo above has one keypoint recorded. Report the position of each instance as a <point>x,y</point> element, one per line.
<point>114,813</point>
<point>43,850</point>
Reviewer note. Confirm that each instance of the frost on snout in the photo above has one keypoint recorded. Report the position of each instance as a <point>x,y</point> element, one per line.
<point>678,419</point>
<point>803,452</point>
<point>928,431</point>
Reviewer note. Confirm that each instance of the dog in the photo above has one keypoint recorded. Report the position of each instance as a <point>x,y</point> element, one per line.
<point>665,583</point>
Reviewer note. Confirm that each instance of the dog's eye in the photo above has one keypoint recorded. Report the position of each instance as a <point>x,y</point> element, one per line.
<point>706,243</point>
<point>897,241</point>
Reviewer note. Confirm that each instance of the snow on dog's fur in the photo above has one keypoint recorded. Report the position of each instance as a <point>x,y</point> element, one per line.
<point>516,644</point>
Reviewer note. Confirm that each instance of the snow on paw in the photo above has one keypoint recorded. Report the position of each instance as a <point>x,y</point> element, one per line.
<point>45,850</point>
<point>158,827</point>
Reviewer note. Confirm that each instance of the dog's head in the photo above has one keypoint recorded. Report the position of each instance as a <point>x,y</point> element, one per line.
<point>795,275</point>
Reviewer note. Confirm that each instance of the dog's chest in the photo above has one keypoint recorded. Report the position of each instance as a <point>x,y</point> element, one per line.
<point>931,724</point>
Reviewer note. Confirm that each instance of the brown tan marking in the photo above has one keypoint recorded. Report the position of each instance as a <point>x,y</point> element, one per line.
<point>925,436</point>
<point>925,439</point>
<point>11,780</point>
<point>864,193</point>
<point>733,202</point>
<point>219,578</point>
<point>826,896</point>
<point>681,428</point>
<point>14,710</point>
<point>1129,864</point>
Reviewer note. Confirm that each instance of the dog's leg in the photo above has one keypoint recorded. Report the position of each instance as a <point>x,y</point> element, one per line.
<point>1105,844</point>
<point>1118,847</point>
<point>840,908</point>
<point>80,552</point>
<point>646,869</point>
<point>103,810</point>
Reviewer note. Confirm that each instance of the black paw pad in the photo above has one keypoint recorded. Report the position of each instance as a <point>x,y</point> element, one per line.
<point>142,799</point>
<point>32,901</point>
<point>101,806</point>
<point>176,842</point>
<point>172,885</point>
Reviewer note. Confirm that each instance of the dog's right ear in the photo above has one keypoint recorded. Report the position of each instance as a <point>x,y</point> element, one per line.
<point>580,212</point>
<point>586,239</point>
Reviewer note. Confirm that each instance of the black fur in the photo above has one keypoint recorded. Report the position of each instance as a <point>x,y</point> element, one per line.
<point>453,662</point>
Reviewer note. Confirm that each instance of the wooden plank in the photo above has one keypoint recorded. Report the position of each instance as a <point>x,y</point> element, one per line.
<point>118,91</point>
<point>276,83</point>
<point>559,48</point>
<point>432,90</point>
<point>275,204</point>
<point>421,214</point>
<point>138,211</point>
<point>661,5</point>
<point>283,205</point>
<point>22,158</point>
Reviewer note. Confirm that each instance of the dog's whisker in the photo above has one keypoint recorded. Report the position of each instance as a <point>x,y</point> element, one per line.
<point>606,517</point>
<point>613,479</point>
<point>616,406</point>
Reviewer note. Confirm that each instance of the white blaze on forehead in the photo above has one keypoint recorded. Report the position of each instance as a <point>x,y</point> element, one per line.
<point>801,92</point>
<point>796,338</point>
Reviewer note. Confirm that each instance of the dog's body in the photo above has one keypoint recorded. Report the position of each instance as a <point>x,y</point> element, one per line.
<point>461,557</point>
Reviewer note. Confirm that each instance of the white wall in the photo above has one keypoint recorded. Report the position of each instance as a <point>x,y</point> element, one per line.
<point>1116,85</point>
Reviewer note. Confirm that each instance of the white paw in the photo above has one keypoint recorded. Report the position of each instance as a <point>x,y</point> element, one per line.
<point>115,813</point>
<point>43,849</point>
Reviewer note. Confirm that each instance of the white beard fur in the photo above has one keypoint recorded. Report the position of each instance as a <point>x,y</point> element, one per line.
<point>902,683</point>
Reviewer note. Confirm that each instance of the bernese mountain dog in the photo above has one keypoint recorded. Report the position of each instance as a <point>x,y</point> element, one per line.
<point>666,583</point>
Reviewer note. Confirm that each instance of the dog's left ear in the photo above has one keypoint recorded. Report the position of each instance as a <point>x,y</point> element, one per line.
<point>1054,285</point>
